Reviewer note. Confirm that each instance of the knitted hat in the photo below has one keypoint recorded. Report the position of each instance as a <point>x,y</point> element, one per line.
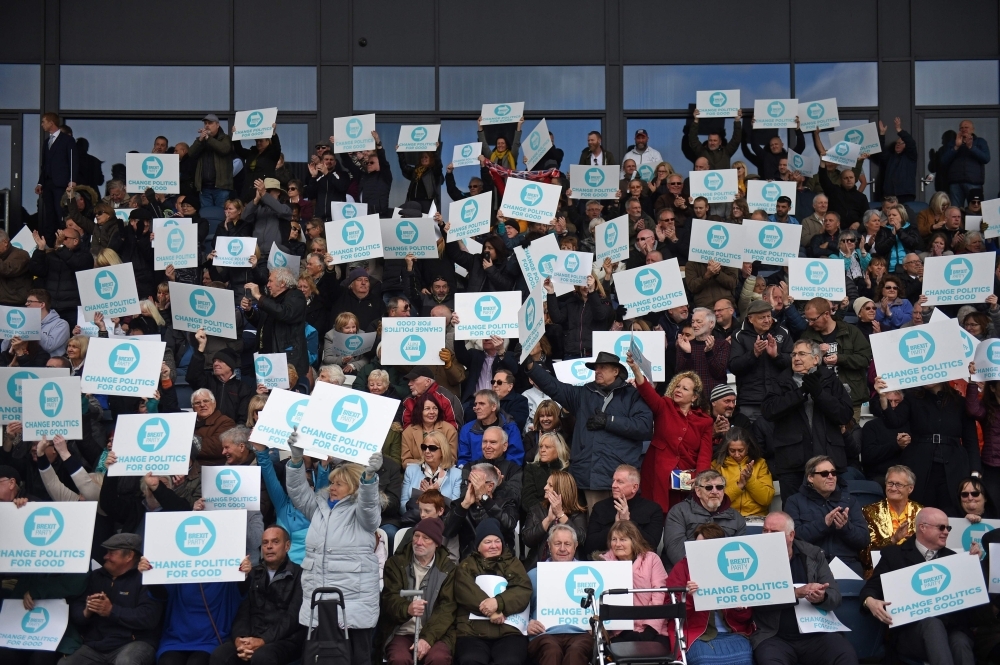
<point>9,472</point>
<point>228,356</point>
<point>488,527</point>
<point>356,273</point>
<point>722,390</point>
<point>859,303</point>
<point>433,528</point>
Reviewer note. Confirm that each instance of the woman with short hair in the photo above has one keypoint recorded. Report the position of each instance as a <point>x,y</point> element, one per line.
<point>625,543</point>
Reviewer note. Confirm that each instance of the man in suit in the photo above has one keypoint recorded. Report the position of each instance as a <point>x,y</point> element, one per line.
<point>58,166</point>
<point>940,640</point>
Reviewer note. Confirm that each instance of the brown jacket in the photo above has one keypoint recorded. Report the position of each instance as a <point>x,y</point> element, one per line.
<point>413,436</point>
<point>209,429</point>
<point>706,289</point>
<point>15,280</point>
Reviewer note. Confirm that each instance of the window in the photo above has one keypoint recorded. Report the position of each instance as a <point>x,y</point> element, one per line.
<point>111,139</point>
<point>30,157</point>
<point>540,88</point>
<point>288,88</point>
<point>20,86</point>
<point>383,89</point>
<point>674,86</point>
<point>294,139</point>
<point>957,83</point>
<point>666,134</point>
<point>852,83</point>
<point>143,88</point>
<point>6,134</point>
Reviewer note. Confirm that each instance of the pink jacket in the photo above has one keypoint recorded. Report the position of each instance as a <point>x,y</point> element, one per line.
<point>647,573</point>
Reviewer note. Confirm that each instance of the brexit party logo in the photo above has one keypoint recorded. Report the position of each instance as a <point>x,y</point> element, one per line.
<point>280,260</point>
<point>349,211</point>
<point>418,134</point>
<point>349,414</point>
<point>152,167</point>
<point>582,578</point>
<point>580,370</point>
<point>624,343</point>
<point>770,236</point>
<point>235,247</point>
<point>413,348</point>
<point>15,319</point>
<point>611,234</point>
<point>776,109</point>
<point>14,384</point>
<point>817,273</point>
<point>594,177</point>
<point>646,172</point>
<point>718,236</point>
<point>50,400</point>
<point>841,149</point>
<point>930,580</point>
<point>530,309</point>
<point>254,119</point>
<point>202,302</point>
<point>572,263</point>
<point>469,211</point>
<point>264,367</point>
<point>488,309</point>
<point>294,414</point>
<point>153,435</point>
<point>354,342</point>
<point>958,272</point>
<point>466,151</point>
<point>854,136</point>
<point>227,481</point>
<point>353,128</point>
<point>175,240</point>
<point>815,111</point>
<point>531,195</point>
<point>770,192</point>
<point>106,284</point>
<point>406,232</point>
<point>737,561</point>
<point>992,352</point>
<point>973,535</point>
<point>43,527</point>
<point>648,282</point>
<point>713,182</point>
<point>502,110</point>
<point>124,359</point>
<point>195,536</point>
<point>718,99</point>
<point>916,347</point>
<point>546,265</point>
<point>534,141</point>
<point>798,162</point>
<point>35,620</point>
<point>353,233</point>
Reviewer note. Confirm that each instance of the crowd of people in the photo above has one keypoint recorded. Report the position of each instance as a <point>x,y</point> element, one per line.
<point>495,465</point>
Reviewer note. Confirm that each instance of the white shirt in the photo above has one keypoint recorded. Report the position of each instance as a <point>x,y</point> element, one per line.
<point>928,554</point>
<point>52,137</point>
<point>650,156</point>
<point>595,159</point>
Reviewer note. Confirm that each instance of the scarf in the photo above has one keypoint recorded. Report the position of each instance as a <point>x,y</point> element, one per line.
<point>499,174</point>
<point>504,158</point>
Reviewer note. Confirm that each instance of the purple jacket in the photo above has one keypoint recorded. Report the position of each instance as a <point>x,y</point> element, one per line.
<point>990,453</point>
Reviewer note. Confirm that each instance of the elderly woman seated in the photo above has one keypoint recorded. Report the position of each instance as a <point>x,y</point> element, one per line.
<point>209,425</point>
<point>893,519</point>
<point>976,507</point>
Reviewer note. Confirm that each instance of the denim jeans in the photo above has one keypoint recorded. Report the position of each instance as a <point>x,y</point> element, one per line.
<point>214,197</point>
<point>957,191</point>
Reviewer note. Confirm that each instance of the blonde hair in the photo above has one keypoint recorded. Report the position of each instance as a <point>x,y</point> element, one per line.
<point>349,473</point>
<point>310,282</point>
<point>670,169</point>
<point>695,379</point>
<point>565,486</point>
<point>81,341</point>
<point>254,407</point>
<point>939,202</point>
<point>448,458</point>
<point>562,450</point>
<point>149,309</point>
<point>107,257</point>
<point>343,319</point>
<point>379,375</point>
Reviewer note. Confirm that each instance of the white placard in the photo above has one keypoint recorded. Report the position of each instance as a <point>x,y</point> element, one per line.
<point>821,114</point>
<point>536,144</point>
<point>469,217</point>
<point>190,547</point>
<point>538,260</point>
<point>158,443</point>
<point>354,133</point>
<point>87,329</point>
<point>51,407</point>
<point>593,182</point>
<point>161,225</point>
<point>987,359</point>
<point>418,138</point>
<point>716,241</point>
<point>493,586</point>
<point>531,321</point>
<point>816,278</point>
<point>467,154</point>
<point>45,537</point>
<point>110,291</point>
<point>24,240</point>
<point>994,584</point>
<point>194,307</point>
<point>501,113</point>
<point>572,267</point>
<point>39,629</point>
<point>940,586</point>
<point>864,136</point>
<point>162,173</point>
<point>650,342</point>
<point>530,201</point>
<point>764,194</point>
<point>770,243</point>
<point>635,348</point>
<point>482,315</point>
<point>717,186</point>
<point>23,322</point>
<point>271,370</point>
<point>118,367</point>
<point>991,215</point>
<point>254,124</point>
<point>347,424</point>
<point>919,356</point>
<point>231,487</point>
<point>279,259</point>
<point>355,344</point>
<point>611,240</point>
<point>347,210</point>
<point>281,414</point>
<point>234,252</point>
<point>178,248</point>
<point>12,386</point>
<point>717,103</point>
<point>973,222</point>
<point>775,113</point>
<point>841,571</point>
<point>574,372</point>
<point>806,165</point>
<point>562,585</point>
<point>651,288</point>
<point>358,239</point>
<point>412,340</point>
<point>123,214</point>
<point>964,534</point>
<point>811,619</point>
<point>401,237</point>
<point>843,154</point>
<point>746,571</point>
<point>958,279</point>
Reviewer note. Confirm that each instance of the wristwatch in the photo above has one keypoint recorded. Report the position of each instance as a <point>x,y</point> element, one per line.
<point>484,498</point>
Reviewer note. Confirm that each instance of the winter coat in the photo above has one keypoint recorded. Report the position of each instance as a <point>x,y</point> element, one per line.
<point>107,235</point>
<point>270,221</point>
<point>850,204</point>
<point>323,190</point>
<point>689,514</point>
<point>512,600</point>
<point>438,622</point>
<point>447,413</point>
<point>473,360</point>
<point>765,160</point>
<point>428,188</point>
<point>754,500</point>
<point>221,148</point>
<point>809,510</point>
<point>854,353</point>
<point>605,158</point>
<point>753,373</point>
<point>56,270</point>
<point>210,429</point>
<point>895,246</point>
<point>645,514</point>
<point>232,397</point>
<point>15,276</point>
<point>137,249</point>
<point>647,573</point>
<point>135,616</point>
<point>536,538</point>
<point>286,515</point>
<point>286,315</point>
<point>897,171</point>
<point>976,408</point>
<point>450,486</point>
<point>367,309</point>
<point>470,440</point>
<point>580,317</point>
<point>900,313</point>
<point>495,278</point>
<point>258,164</point>
<point>718,158</point>
<point>270,610</point>
<point>534,477</point>
<point>706,289</point>
<point>413,436</point>
<point>966,165</point>
<point>373,187</point>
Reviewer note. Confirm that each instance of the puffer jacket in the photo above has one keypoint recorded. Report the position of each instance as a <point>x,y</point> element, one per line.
<point>809,510</point>
<point>340,547</point>
<point>438,622</point>
<point>57,271</point>
<point>580,317</point>
<point>967,165</point>
<point>270,609</point>
<point>688,514</point>
<point>753,373</point>
<point>512,600</point>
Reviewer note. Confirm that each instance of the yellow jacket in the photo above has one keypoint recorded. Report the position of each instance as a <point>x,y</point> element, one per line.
<point>754,500</point>
<point>880,528</point>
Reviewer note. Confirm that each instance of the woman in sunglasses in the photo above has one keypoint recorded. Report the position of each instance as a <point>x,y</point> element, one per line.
<point>437,471</point>
<point>893,308</point>
<point>976,506</point>
<point>893,519</point>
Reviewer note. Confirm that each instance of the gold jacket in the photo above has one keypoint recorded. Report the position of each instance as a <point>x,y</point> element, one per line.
<point>880,527</point>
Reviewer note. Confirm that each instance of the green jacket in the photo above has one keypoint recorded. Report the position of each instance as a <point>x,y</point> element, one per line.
<point>44,586</point>
<point>222,150</point>
<point>438,622</point>
<point>719,158</point>
<point>515,598</point>
<point>854,352</point>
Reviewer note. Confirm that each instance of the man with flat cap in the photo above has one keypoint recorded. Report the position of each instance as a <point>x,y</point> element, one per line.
<point>421,380</point>
<point>612,421</point>
<point>10,483</point>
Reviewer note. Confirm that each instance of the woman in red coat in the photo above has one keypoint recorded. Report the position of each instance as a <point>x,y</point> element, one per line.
<point>682,435</point>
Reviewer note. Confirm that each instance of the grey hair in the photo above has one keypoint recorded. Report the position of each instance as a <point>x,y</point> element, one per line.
<point>489,471</point>
<point>3,236</point>
<point>490,396</point>
<point>633,473</point>
<point>970,235</point>
<point>710,474</point>
<point>564,527</point>
<point>847,235</point>
<point>813,462</point>
<point>786,518</point>
<point>337,374</point>
<point>503,433</point>
<point>116,184</point>
<point>285,277</point>
<point>239,435</point>
<point>203,392</point>
<point>814,349</point>
<point>709,315</point>
<point>823,196</point>
<point>868,215</point>
<point>379,374</point>
<point>911,477</point>
<point>592,202</point>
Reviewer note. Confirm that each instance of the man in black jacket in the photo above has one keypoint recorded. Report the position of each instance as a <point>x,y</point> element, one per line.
<point>232,396</point>
<point>57,269</point>
<point>845,199</point>
<point>59,164</point>
<point>328,182</point>
<point>759,351</point>
<point>486,494</point>
<point>374,179</point>
<point>624,504</point>
<point>280,318</point>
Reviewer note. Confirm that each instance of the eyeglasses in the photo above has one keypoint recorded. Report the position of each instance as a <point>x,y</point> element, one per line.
<point>825,474</point>
<point>939,527</point>
<point>717,488</point>
<point>424,447</point>
<point>292,188</point>
<point>869,308</point>
<point>675,184</point>
<point>815,318</point>
<point>974,494</point>
<point>29,303</point>
<point>850,241</point>
<point>497,382</point>
<point>895,485</point>
<point>890,287</point>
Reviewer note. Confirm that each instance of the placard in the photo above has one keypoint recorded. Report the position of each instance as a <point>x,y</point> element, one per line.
<point>843,154</point>
<point>355,344</point>
<point>23,322</point>
<point>412,340</point>
<point>806,165</point>
<point>821,114</point>
<point>920,355</point>
<point>194,307</point>
<point>12,387</point>
<point>47,537</point>
<point>991,215</point>
<point>717,186</point>
<point>537,143</point>
<point>502,113</point>
<point>281,414</point>
<point>51,407</point>
<point>635,348</point>
<point>973,223</point>
<point>812,619</point>
<point>964,534</point>
<point>39,629</point>
<point>745,571</point>
<point>816,278</point>
<point>24,240</point>
<point>162,225</point>
<point>231,487</point>
<point>358,239</point>
<point>254,124</point>
<point>483,315</point>
<point>716,241</point>
<point>572,267</point>
<point>418,138</point>
<point>178,249</point>
<point>770,243</point>
<point>958,279</point>
<point>611,239</point>
<point>354,133</point>
<point>987,359</point>
<point>473,247</point>
<point>775,113</point>
<point>650,342</point>
<point>530,201</point>
<point>940,586</point>
<point>717,103</point>
<point>469,217</point>
<point>563,584</point>
<point>271,370</point>
<point>401,237</point>
<point>593,182</point>
<point>234,252</point>
<point>161,173</point>
<point>466,154</point>
<point>538,260</point>
<point>117,367</point>
<point>158,443</point>
<point>190,547</point>
<point>87,329</point>
<point>652,288</point>
<point>574,372</point>
<point>493,586</point>
<point>110,291</point>
<point>123,214</point>
<point>531,321</point>
<point>764,194</point>
<point>279,259</point>
<point>864,136</point>
<point>347,210</point>
<point>347,424</point>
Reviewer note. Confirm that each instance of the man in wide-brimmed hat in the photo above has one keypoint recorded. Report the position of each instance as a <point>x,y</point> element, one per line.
<point>270,220</point>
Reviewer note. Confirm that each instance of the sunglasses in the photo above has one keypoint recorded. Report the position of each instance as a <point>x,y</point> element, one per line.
<point>974,494</point>
<point>497,383</point>
<point>424,447</point>
<point>825,474</point>
<point>889,287</point>
<point>940,527</point>
<point>709,488</point>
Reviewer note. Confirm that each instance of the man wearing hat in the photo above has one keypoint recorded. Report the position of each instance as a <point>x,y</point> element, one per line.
<point>845,349</point>
<point>723,412</point>
<point>269,220</point>
<point>232,396</point>
<point>212,151</point>
<point>612,421</point>
<point>360,295</point>
<point>642,154</point>
<point>760,350</point>
<point>10,483</point>
<point>421,380</point>
<point>422,563</point>
<point>117,617</point>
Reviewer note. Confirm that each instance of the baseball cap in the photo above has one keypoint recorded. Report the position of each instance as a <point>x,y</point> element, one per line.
<point>417,372</point>
<point>641,131</point>
<point>9,472</point>
<point>211,117</point>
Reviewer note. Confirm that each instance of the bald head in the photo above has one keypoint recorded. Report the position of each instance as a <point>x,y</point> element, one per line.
<point>929,532</point>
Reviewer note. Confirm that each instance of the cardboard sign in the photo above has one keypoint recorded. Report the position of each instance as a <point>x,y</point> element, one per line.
<point>651,288</point>
<point>357,239</point>
<point>538,260</point>
<point>233,252</point>
<point>281,414</point>
<point>354,133</point>
<point>530,201</point>
<point>919,356</point>
<point>716,186</point>
<point>769,242</point>
<point>964,534</point>
<point>354,345</point>
<point>469,217</point>
<point>994,585</point>
<point>110,291</point>
<point>412,340</point>
<point>716,241</point>
<point>991,215</point>
<point>764,194</point>
<point>821,114</point>
<point>531,321</point>
<point>745,571</point>
<point>22,322</point>
<point>502,113</point>
<point>816,278</point>
<point>574,372</point>
<point>593,182</point>
<point>806,165</point>
<point>651,343</point>
<point>483,315</point>
<point>47,537</point>
<point>24,240</point>
<point>190,547</point>
<point>118,367</point>
<point>143,171</point>
<point>12,388</point>
<point>39,629</point>
<point>178,249</point>
<point>347,424</point>
<point>231,487</point>
<point>775,113</point>
<point>347,210</point>
<point>562,585</point>
<point>123,214</point>
<point>51,407</point>
<point>493,586</point>
<point>987,359</point>
<point>279,259</point>
<point>864,136</point>
<point>537,143</point>
<point>158,443</point>
<point>163,225</point>
<point>254,124</point>
<point>87,329</point>
<point>717,103</point>
<point>811,619</point>
<point>843,154</point>
<point>401,237</point>
<point>467,154</point>
<point>195,307</point>
<point>418,138</point>
<point>611,240</point>
<point>931,589</point>
<point>958,279</point>
<point>271,370</point>
<point>572,267</point>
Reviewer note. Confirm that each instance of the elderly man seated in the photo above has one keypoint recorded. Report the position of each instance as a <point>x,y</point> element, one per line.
<point>707,503</point>
<point>893,519</point>
<point>486,496</point>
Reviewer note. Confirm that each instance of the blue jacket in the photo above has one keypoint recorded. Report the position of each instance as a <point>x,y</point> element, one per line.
<point>901,311</point>
<point>450,488</point>
<point>470,441</point>
<point>967,165</point>
<point>809,510</point>
<point>898,171</point>
<point>287,515</point>
<point>187,625</point>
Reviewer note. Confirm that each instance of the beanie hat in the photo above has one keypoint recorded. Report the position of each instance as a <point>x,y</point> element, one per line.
<point>193,201</point>
<point>356,273</point>
<point>859,303</point>
<point>488,527</point>
<point>722,390</point>
<point>433,528</point>
<point>228,356</point>
<point>411,209</point>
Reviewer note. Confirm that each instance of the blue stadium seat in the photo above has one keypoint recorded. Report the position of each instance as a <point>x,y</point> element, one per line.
<point>865,491</point>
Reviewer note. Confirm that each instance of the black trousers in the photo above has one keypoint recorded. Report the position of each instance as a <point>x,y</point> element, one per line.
<point>281,652</point>
<point>815,649</point>
<point>184,658</point>
<point>507,650</point>
<point>22,657</point>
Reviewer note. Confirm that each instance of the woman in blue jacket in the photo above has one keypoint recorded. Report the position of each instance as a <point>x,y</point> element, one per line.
<point>438,470</point>
<point>287,515</point>
<point>893,308</point>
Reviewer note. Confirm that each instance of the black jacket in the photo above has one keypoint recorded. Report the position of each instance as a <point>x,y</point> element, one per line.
<point>645,514</point>
<point>257,164</point>
<point>59,162</point>
<point>231,398</point>
<point>473,360</point>
<point>281,327</point>
<point>367,309</point>
<point>57,271</point>
<point>850,204</point>
<point>579,318</point>
<point>761,155</point>
<point>270,610</point>
<point>504,507</point>
<point>135,615</point>
<point>325,189</point>
<point>879,449</point>
<point>373,187</point>
<point>428,187</point>
<point>137,249</point>
<point>753,373</point>
<point>897,171</point>
<point>480,280</point>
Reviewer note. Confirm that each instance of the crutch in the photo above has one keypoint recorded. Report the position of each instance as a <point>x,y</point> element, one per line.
<point>416,593</point>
